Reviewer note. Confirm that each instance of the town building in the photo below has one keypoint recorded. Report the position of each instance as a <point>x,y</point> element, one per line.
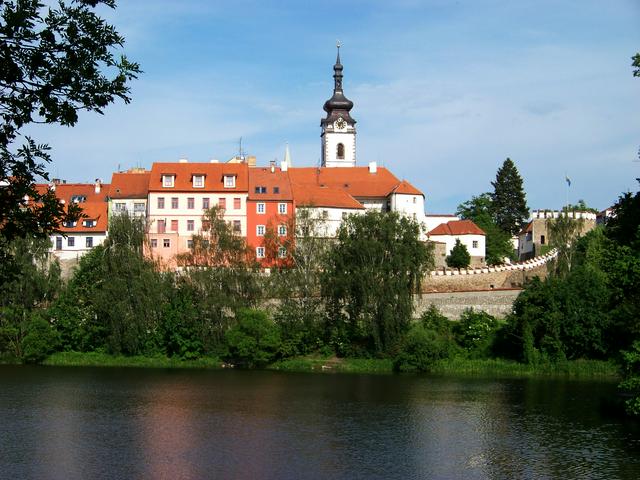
<point>534,238</point>
<point>270,215</point>
<point>179,193</point>
<point>469,234</point>
<point>77,238</point>
<point>129,192</point>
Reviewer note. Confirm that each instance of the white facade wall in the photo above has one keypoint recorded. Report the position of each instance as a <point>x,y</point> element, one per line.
<point>525,244</point>
<point>410,205</point>
<point>79,248</point>
<point>182,214</point>
<point>134,207</point>
<point>378,204</point>
<point>330,141</point>
<point>333,217</point>
<point>466,240</point>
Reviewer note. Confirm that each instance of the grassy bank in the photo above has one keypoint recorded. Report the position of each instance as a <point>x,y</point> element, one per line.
<point>95,359</point>
<point>458,366</point>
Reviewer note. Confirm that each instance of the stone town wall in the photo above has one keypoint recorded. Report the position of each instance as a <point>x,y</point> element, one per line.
<point>486,278</point>
<point>498,303</point>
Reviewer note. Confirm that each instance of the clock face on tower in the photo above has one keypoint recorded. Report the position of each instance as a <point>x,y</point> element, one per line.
<point>340,124</point>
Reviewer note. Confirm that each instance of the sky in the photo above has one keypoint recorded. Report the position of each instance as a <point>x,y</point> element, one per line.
<point>444,92</point>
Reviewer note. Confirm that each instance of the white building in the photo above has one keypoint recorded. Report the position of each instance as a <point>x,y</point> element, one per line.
<point>469,234</point>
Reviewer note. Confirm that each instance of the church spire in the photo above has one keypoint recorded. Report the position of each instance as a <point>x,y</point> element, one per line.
<point>338,105</point>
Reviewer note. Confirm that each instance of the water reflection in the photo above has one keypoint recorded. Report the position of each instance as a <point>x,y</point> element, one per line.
<point>112,423</point>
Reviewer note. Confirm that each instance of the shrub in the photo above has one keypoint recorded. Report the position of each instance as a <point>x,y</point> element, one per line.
<point>459,257</point>
<point>254,340</point>
<point>420,349</point>
<point>40,340</point>
<point>475,332</point>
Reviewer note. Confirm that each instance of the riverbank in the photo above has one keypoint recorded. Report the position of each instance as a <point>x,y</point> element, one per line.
<point>457,366</point>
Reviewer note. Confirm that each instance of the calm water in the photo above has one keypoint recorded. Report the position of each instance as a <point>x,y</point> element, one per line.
<point>86,423</point>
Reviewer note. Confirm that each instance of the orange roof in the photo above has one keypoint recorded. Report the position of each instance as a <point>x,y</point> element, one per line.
<point>214,176</point>
<point>406,188</point>
<point>527,228</point>
<point>130,184</point>
<point>94,205</point>
<point>263,177</point>
<point>315,196</point>
<point>356,181</point>
<point>457,227</point>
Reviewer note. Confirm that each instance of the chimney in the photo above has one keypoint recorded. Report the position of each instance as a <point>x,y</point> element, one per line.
<point>214,160</point>
<point>284,165</point>
<point>373,167</point>
<point>272,164</point>
<point>98,185</point>
<point>183,160</point>
<point>251,160</point>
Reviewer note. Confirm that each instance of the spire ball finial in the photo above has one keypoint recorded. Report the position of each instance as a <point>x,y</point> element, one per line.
<point>338,44</point>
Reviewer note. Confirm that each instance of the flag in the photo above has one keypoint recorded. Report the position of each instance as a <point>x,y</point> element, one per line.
<point>568,180</point>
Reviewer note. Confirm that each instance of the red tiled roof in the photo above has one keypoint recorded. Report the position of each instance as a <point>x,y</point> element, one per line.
<point>263,177</point>
<point>457,227</point>
<point>406,188</point>
<point>356,181</point>
<point>94,207</point>
<point>527,228</point>
<point>312,195</point>
<point>214,176</point>
<point>130,184</point>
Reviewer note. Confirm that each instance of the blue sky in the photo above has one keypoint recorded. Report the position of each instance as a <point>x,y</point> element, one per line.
<point>444,91</point>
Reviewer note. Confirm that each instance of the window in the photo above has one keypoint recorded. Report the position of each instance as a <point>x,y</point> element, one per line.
<point>162,226</point>
<point>282,252</point>
<point>206,225</point>
<point>119,207</point>
<point>160,202</point>
<point>138,207</point>
<point>154,243</point>
<point>89,223</point>
<point>70,224</point>
<point>345,215</point>
<point>282,230</point>
<point>229,181</point>
<point>542,239</point>
<point>205,203</point>
<point>282,208</point>
<point>89,242</point>
<point>474,244</point>
<point>260,207</point>
<point>340,151</point>
<point>174,225</point>
<point>191,203</point>
<point>174,202</point>
<point>58,243</point>
<point>237,226</point>
<point>71,242</point>
<point>414,199</point>
<point>190,243</point>
<point>237,204</point>
<point>260,230</point>
<point>222,203</point>
<point>190,225</point>
<point>167,181</point>
<point>261,189</point>
<point>78,198</point>
<point>198,181</point>
<point>166,242</point>
<point>260,252</point>
<point>276,189</point>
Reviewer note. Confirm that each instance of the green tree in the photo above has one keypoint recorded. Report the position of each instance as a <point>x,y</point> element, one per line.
<point>459,256</point>
<point>509,202</point>
<point>563,232</point>
<point>254,340</point>
<point>57,59</point>
<point>371,274</point>
<point>480,211</point>
<point>420,349</point>
<point>636,64</point>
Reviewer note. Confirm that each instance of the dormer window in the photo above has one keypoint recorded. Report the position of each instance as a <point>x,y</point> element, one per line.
<point>168,181</point>
<point>78,198</point>
<point>261,189</point>
<point>89,223</point>
<point>229,181</point>
<point>198,181</point>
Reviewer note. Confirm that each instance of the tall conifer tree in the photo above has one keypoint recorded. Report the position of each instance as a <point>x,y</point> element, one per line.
<point>509,203</point>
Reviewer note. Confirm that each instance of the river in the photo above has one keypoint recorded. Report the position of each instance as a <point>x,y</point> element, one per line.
<point>111,423</point>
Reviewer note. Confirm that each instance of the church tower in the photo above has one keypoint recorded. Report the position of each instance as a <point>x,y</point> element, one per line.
<point>338,128</point>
